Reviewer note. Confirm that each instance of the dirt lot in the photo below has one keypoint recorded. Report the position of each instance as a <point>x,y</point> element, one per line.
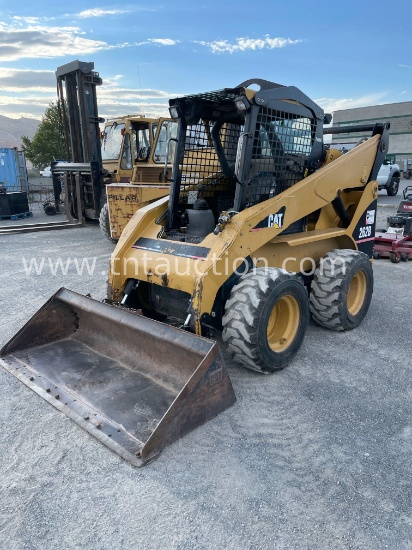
<point>317,456</point>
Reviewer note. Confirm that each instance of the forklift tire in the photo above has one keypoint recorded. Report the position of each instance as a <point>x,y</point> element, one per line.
<point>265,319</point>
<point>341,290</point>
<point>104,223</point>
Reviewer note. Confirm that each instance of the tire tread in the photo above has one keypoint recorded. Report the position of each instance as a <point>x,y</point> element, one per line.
<point>327,300</point>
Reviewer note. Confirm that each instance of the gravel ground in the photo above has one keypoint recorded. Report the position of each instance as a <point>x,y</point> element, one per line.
<point>317,456</point>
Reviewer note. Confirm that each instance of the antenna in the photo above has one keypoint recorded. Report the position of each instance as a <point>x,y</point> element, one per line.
<point>140,84</point>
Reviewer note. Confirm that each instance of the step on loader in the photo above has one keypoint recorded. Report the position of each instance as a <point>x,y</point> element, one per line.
<point>263,226</point>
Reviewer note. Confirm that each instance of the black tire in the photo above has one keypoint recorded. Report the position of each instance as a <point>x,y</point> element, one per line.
<point>376,255</point>
<point>394,258</point>
<point>404,257</point>
<point>104,223</point>
<point>393,186</point>
<point>50,209</point>
<point>266,309</point>
<point>341,290</point>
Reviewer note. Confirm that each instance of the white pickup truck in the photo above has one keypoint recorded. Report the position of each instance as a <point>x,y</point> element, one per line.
<point>46,172</point>
<point>388,178</point>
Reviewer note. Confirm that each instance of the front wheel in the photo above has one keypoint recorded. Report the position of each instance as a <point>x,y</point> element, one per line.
<point>104,222</point>
<point>265,319</point>
<point>393,187</point>
<point>341,290</point>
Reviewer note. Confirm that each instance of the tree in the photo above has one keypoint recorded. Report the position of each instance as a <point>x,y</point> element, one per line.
<point>48,143</point>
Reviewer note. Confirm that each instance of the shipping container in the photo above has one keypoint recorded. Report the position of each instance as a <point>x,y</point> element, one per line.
<point>13,172</point>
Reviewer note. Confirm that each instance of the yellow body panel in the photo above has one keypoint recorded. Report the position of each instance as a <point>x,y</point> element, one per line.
<point>202,278</point>
<point>124,197</point>
<point>123,201</point>
<point>150,167</point>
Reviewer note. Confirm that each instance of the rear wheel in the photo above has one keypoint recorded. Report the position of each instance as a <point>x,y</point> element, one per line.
<point>104,223</point>
<point>394,258</point>
<point>393,186</point>
<point>50,209</point>
<point>265,319</point>
<point>341,290</point>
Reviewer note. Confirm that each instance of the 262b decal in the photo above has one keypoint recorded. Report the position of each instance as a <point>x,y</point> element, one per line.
<point>365,232</point>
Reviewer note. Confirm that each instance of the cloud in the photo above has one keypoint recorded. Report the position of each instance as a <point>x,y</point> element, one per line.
<point>28,106</point>
<point>27,93</point>
<point>164,41</point>
<point>97,12</point>
<point>27,20</point>
<point>329,105</point>
<point>244,44</point>
<point>22,80</point>
<point>34,106</point>
<point>159,42</point>
<point>126,93</point>
<point>37,41</point>
<point>113,107</point>
<point>405,66</point>
<point>115,100</point>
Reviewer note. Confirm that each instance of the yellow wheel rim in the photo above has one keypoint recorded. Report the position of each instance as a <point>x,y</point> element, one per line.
<point>356,293</point>
<point>283,323</point>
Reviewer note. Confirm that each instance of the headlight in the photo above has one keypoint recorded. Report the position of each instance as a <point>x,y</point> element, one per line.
<point>242,104</point>
<point>174,112</point>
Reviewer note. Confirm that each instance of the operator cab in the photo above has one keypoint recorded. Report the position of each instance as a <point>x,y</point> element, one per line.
<point>238,147</point>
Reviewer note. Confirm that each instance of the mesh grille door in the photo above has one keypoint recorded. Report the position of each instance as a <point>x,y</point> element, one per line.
<point>202,175</point>
<point>281,146</point>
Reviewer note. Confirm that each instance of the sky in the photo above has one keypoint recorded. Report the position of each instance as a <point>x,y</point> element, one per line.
<point>341,54</point>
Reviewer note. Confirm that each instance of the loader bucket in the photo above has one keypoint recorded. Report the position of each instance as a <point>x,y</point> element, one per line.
<point>135,384</point>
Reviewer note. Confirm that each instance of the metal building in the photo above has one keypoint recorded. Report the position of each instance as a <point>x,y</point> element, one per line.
<point>400,117</point>
<point>13,171</point>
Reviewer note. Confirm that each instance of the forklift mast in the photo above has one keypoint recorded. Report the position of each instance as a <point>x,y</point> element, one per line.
<point>81,123</point>
<point>83,174</point>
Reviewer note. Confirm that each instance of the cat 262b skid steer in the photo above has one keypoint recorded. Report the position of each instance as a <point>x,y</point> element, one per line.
<point>263,226</point>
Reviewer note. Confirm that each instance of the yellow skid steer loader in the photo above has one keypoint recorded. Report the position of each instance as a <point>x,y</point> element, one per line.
<point>264,225</point>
